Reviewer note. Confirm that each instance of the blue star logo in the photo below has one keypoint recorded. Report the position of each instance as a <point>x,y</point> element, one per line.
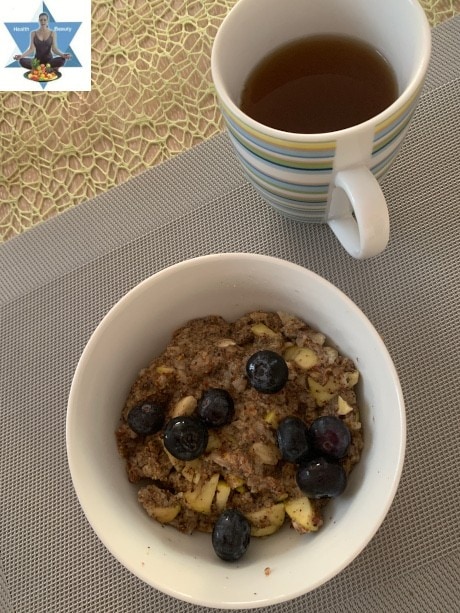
<point>65,31</point>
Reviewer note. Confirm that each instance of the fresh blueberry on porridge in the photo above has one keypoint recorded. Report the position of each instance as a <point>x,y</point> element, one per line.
<point>185,437</point>
<point>146,418</point>
<point>293,439</point>
<point>267,371</point>
<point>321,478</point>
<point>231,535</point>
<point>216,407</point>
<point>330,436</point>
<point>243,427</point>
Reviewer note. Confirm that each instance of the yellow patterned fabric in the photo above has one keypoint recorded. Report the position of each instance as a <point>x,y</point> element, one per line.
<point>152,98</point>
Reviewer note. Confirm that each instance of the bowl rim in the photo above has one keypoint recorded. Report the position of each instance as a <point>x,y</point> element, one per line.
<point>71,450</point>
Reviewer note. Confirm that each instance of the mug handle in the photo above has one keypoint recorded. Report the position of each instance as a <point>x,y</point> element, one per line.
<point>358,213</point>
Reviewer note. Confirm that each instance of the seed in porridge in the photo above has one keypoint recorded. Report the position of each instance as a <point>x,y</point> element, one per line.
<point>293,440</point>
<point>185,437</point>
<point>146,418</point>
<point>330,436</point>
<point>267,371</point>
<point>231,535</point>
<point>321,478</point>
<point>216,407</point>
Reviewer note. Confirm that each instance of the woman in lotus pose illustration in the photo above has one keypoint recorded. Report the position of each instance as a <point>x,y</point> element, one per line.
<point>44,43</point>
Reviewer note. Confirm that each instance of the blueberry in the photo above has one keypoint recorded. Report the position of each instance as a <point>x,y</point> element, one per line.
<point>216,407</point>
<point>185,437</point>
<point>292,437</point>
<point>320,478</point>
<point>231,535</point>
<point>330,436</point>
<point>267,371</point>
<point>146,418</point>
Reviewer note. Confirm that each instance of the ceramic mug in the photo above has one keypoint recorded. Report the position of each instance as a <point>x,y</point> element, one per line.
<point>330,177</point>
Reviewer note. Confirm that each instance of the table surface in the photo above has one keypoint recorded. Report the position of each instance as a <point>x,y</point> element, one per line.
<point>152,98</point>
<point>58,279</point>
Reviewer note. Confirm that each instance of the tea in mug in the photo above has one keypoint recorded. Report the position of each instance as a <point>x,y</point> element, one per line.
<point>319,84</point>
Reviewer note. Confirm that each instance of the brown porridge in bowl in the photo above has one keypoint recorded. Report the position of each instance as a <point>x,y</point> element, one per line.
<point>239,427</point>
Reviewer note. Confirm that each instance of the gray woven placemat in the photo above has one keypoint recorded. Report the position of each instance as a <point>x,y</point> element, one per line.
<point>58,280</point>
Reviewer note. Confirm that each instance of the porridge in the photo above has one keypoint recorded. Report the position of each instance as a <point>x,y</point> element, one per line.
<point>237,428</point>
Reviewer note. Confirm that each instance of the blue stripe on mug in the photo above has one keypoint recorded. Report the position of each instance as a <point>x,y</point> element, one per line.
<point>384,129</point>
<point>289,161</point>
<point>310,173</point>
<point>303,150</point>
<point>391,127</point>
<point>300,193</point>
<point>314,211</point>
<point>381,168</point>
<point>398,132</point>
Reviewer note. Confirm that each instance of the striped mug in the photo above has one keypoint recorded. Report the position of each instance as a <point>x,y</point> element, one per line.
<point>329,177</point>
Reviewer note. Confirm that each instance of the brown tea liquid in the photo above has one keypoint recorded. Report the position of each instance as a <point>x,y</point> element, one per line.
<point>319,84</point>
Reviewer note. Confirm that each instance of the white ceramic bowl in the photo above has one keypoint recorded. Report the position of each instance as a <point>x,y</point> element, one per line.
<point>136,329</point>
